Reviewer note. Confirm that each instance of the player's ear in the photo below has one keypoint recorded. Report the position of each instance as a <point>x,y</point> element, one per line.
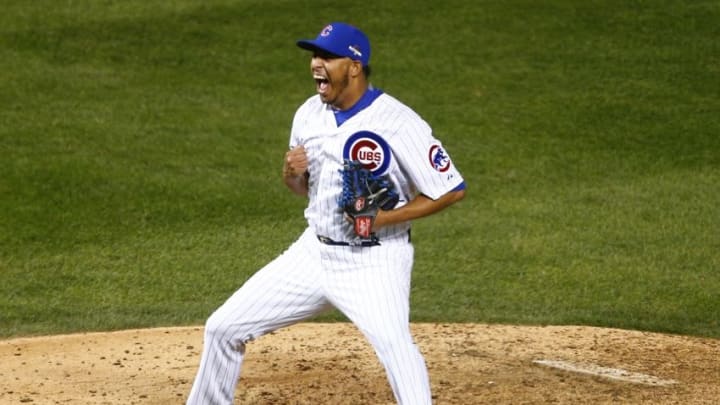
<point>356,68</point>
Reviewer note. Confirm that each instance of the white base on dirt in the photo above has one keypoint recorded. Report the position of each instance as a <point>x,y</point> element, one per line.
<point>606,372</point>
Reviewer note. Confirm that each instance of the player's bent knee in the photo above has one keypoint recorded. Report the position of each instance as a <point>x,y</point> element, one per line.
<point>222,331</point>
<point>216,327</point>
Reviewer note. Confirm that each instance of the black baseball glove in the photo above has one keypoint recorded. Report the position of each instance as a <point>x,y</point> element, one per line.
<point>363,194</point>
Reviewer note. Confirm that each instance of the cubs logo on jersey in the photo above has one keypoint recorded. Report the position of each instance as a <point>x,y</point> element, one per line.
<point>370,149</point>
<point>439,159</point>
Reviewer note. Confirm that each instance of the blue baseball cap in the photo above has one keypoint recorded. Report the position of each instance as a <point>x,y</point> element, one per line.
<point>340,39</point>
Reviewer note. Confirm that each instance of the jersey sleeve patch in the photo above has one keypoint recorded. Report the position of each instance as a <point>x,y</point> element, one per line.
<point>439,159</point>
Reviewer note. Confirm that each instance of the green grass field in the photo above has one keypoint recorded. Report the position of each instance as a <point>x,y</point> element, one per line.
<point>141,145</point>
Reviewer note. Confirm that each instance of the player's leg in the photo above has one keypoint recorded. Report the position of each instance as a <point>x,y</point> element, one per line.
<point>285,291</point>
<point>375,295</point>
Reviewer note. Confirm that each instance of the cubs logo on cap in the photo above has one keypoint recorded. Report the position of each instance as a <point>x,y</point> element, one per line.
<point>370,149</point>
<point>340,39</point>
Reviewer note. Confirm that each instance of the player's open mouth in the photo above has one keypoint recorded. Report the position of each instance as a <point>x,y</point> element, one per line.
<point>321,83</point>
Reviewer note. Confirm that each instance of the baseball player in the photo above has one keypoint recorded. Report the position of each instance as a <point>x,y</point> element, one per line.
<point>367,279</point>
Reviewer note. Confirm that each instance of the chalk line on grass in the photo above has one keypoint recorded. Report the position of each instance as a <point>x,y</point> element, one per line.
<point>606,372</point>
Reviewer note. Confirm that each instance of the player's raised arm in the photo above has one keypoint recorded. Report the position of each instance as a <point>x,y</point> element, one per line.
<point>295,170</point>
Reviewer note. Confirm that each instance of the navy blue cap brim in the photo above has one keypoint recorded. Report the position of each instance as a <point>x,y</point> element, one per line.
<point>310,45</point>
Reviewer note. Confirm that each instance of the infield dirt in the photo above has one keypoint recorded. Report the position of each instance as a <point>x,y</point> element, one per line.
<point>315,363</point>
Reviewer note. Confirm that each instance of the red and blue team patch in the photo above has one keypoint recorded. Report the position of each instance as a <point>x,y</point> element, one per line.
<point>370,149</point>
<point>439,159</point>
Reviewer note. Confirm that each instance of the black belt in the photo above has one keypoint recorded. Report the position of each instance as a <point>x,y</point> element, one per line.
<point>362,242</point>
<point>373,241</point>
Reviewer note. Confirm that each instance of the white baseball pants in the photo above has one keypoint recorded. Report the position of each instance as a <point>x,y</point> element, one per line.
<point>370,285</point>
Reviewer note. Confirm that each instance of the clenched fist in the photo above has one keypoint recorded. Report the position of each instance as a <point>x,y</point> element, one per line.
<point>296,162</point>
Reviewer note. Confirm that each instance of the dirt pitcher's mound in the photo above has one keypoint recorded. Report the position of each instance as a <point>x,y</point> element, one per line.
<point>315,363</point>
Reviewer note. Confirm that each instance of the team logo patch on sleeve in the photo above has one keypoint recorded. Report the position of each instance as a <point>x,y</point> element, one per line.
<point>370,149</point>
<point>439,159</point>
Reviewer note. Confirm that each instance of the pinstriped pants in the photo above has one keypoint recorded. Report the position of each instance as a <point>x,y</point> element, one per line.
<point>370,285</point>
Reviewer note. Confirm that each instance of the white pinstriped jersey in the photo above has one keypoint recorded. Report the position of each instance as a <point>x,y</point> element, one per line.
<point>387,137</point>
